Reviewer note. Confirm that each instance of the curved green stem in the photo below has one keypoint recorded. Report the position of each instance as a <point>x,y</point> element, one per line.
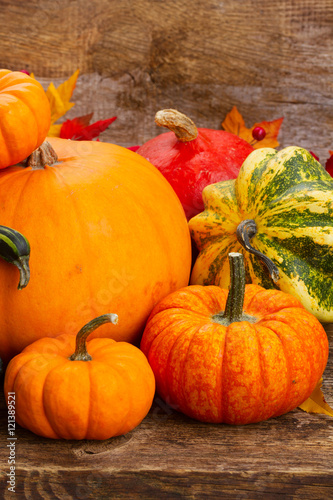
<point>22,263</point>
<point>245,232</point>
<point>15,248</point>
<point>81,353</point>
<point>235,301</point>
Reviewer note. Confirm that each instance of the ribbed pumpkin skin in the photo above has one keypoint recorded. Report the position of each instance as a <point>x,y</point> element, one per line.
<point>98,399</point>
<point>290,197</point>
<point>237,374</point>
<point>106,231</point>
<point>25,116</point>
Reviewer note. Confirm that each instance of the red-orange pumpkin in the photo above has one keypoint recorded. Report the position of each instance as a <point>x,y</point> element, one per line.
<point>25,116</point>
<point>89,391</point>
<point>216,363</point>
<point>106,231</point>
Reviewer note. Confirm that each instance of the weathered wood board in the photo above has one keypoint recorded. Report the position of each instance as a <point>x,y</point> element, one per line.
<point>171,456</point>
<point>270,59</point>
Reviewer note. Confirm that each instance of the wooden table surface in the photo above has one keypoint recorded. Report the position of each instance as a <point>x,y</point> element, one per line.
<point>171,456</point>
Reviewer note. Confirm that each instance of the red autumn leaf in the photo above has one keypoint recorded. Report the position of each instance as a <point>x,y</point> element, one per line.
<point>79,129</point>
<point>72,128</point>
<point>314,155</point>
<point>329,164</point>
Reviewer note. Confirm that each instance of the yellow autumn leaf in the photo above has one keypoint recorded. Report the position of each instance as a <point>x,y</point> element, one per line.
<point>235,124</point>
<point>316,402</point>
<point>55,130</point>
<point>59,97</point>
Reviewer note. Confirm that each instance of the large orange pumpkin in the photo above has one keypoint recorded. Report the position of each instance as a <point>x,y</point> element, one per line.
<point>106,230</point>
<point>93,390</point>
<point>217,362</point>
<point>25,116</point>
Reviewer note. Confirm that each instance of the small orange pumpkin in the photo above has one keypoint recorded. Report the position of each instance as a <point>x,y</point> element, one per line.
<point>216,363</point>
<point>96,395</point>
<point>106,230</point>
<point>25,116</point>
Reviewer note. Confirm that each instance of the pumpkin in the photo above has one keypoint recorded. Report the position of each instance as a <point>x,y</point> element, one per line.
<point>236,358</point>
<point>278,212</point>
<point>190,158</point>
<point>72,389</point>
<point>25,116</point>
<point>105,228</point>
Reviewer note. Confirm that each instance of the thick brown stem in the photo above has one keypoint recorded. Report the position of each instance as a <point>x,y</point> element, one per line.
<point>183,127</point>
<point>42,156</point>
<point>81,353</point>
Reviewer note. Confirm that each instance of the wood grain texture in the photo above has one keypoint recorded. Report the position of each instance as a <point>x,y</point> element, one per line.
<point>172,456</point>
<point>270,59</point>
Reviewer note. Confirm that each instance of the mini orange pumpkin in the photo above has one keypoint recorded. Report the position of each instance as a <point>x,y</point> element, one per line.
<point>96,395</point>
<point>216,363</point>
<point>25,116</point>
<point>106,230</point>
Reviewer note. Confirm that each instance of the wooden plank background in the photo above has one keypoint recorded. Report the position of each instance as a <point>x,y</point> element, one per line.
<point>270,59</point>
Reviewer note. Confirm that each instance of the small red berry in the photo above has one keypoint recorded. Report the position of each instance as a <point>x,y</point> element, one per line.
<point>315,156</point>
<point>258,133</point>
<point>24,71</point>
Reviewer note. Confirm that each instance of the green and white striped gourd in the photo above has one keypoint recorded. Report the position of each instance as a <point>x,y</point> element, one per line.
<point>279,214</point>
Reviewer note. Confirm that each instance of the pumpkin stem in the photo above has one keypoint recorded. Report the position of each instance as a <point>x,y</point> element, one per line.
<point>177,122</point>
<point>234,307</point>
<point>42,156</point>
<point>81,353</point>
<point>245,231</point>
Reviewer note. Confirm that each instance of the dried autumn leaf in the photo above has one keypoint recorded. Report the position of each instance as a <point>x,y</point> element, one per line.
<point>70,128</point>
<point>55,130</point>
<point>316,402</point>
<point>329,164</point>
<point>59,97</point>
<point>235,124</point>
<point>79,129</point>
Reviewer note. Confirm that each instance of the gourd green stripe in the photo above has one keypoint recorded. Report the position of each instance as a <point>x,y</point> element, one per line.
<point>311,265</point>
<point>289,196</point>
<point>285,170</point>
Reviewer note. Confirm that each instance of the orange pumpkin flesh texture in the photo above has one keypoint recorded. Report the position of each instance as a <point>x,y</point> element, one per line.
<point>25,116</point>
<point>106,231</point>
<point>98,399</point>
<point>237,374</point>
